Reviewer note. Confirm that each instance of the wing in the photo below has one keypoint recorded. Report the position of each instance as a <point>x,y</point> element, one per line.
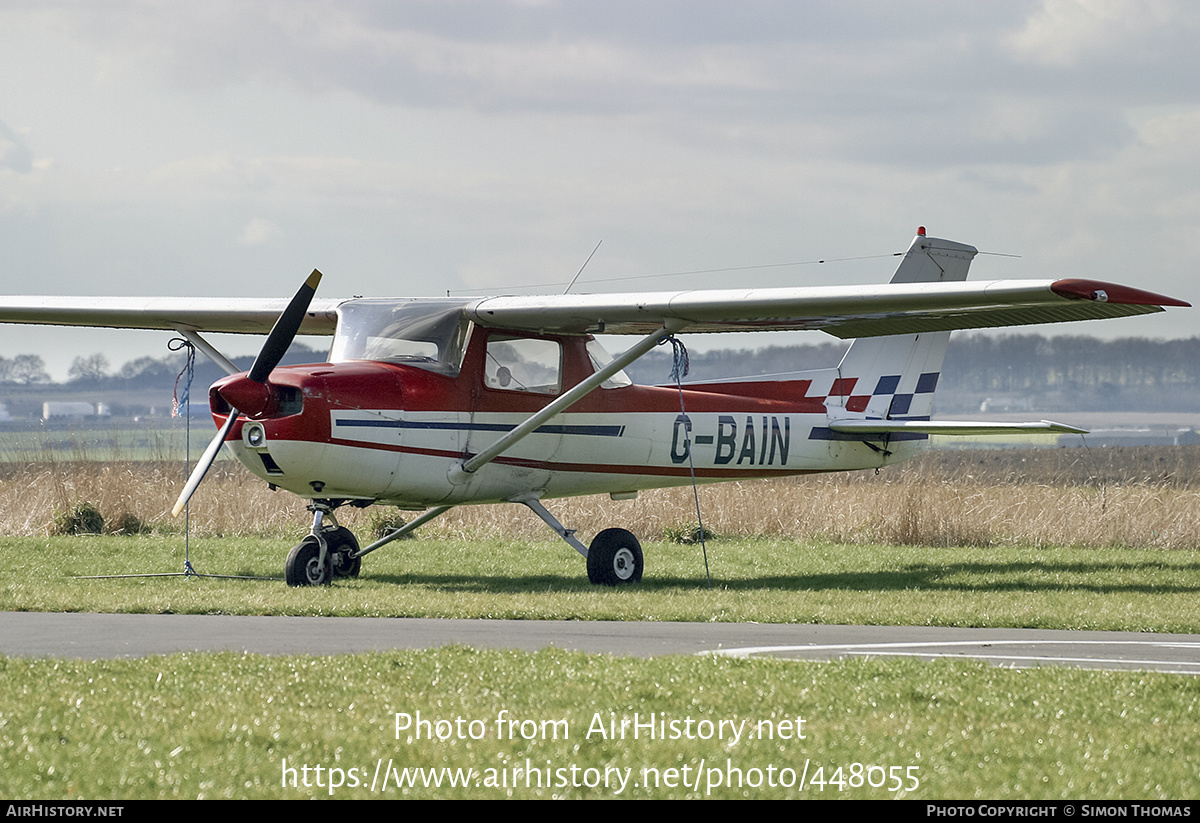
<point>928,293</point>
<point>846,312</point>
<point>214,314</point>
<point>843,311</point>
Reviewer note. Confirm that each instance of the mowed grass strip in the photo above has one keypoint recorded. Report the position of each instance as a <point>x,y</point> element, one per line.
<point>764,580</point>
<point>230,725</point>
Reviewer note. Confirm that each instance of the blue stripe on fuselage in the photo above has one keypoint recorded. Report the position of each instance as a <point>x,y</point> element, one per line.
<point>595,431</point>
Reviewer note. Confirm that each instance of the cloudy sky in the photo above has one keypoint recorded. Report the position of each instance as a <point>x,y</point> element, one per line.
<point>410,148</point>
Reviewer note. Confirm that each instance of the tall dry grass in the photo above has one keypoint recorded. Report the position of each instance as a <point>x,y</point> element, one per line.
<point>1136,497</point>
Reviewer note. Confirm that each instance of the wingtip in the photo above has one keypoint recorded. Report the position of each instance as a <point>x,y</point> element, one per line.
<point>1079,289</point>
<point>1063,428</point>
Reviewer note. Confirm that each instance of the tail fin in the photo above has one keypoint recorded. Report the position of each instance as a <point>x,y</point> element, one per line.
<point>894,377</point>
<point>884,385</point>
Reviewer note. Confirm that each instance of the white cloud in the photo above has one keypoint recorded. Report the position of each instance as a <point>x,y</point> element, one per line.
<point>15,155</point>
<point>259,231</point>
<point>1069,32</point>
<point>406,148</point>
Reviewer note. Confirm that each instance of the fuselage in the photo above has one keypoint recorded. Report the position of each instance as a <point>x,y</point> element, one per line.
<point>392,432</point>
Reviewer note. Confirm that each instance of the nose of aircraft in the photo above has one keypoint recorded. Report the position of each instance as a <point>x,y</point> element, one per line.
<point>251,398</point>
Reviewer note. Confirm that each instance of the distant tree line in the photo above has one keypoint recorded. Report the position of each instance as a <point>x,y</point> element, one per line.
<point>93,371</point>
<point>1050,372</point>
<point>23,370</point>
<point>1081,373</point>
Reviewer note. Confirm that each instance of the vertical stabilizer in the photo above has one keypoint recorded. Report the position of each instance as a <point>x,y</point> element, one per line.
<point>895,377</point>
<point>933,260</point>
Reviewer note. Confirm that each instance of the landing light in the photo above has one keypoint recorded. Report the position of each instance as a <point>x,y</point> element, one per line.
<point>254,436</point>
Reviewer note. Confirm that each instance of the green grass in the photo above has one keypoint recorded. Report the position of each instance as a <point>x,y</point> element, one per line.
<point>223,725</point>
<point>764,580</point>
<point>160,440</point>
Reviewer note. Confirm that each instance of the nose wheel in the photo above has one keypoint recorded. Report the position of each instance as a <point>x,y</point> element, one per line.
<point>304,566</point>
<point>329,551</point>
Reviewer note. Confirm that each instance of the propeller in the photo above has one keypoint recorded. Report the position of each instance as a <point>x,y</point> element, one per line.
<point>251,395</point>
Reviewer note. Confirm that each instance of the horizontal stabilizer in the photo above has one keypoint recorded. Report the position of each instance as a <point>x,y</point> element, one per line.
<point>956,427</point>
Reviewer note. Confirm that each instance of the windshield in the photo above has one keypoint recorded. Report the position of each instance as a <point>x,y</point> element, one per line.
<point>431,333</point>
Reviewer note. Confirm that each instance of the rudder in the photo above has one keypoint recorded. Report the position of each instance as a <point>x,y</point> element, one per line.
<point>894,377</point>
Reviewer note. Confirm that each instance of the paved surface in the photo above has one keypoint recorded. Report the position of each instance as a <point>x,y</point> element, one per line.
<point>36,634</point>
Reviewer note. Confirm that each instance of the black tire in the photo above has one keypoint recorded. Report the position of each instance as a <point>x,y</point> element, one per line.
<point>304,567</point>
<point>342,543</point>
<point>614,558</point>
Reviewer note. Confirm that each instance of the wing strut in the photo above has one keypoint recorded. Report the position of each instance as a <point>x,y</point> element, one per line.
<point>207,349</point>
<point>403,530</point>
<point>460,473</point>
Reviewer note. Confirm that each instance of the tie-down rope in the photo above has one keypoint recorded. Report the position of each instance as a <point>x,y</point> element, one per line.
<point>679,370</point>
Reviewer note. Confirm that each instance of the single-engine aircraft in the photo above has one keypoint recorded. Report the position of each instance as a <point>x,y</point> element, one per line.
<point>430,403</point>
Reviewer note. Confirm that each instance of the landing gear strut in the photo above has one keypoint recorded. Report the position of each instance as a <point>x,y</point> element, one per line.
<point>613,559</point>
<point>329,551</point>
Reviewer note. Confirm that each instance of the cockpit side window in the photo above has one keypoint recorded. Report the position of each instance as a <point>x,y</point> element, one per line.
<point>601,358</point>
<point>523,364</point>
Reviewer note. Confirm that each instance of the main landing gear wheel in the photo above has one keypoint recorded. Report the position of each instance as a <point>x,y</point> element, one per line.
<point>304,566</point>
<point>614,558</point>
<point>342,544</point>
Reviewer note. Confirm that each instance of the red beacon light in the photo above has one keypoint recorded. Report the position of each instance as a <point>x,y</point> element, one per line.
<point>920,231</point>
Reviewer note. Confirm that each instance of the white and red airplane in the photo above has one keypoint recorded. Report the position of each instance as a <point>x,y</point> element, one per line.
<point>426,404</point>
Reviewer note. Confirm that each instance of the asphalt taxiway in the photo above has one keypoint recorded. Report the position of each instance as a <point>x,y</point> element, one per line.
<point>93,636</point>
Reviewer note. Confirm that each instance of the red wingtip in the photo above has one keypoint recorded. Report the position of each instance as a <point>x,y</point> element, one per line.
<point>1076,289</point>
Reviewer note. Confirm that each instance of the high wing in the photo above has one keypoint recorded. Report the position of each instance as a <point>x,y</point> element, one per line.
<point>843,311</point>
<point>214,314</point>
<point>928,293</point>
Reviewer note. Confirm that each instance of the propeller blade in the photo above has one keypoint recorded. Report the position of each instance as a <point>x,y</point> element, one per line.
<point>284,330</point>
<point>281,336</point>
<point>206,460</point>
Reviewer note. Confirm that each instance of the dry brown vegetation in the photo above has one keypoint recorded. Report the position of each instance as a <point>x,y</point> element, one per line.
<point>1122,497</point>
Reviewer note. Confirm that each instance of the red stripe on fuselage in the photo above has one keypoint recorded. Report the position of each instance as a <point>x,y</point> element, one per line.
<point>390,387</point>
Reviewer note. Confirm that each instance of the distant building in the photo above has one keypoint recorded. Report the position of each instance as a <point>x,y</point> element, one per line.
<point>66,410</point>
<point>1133,437</point>
<point>1005,404</point>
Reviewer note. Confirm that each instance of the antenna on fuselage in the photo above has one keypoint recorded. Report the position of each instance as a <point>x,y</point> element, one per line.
<point>581,268</point>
